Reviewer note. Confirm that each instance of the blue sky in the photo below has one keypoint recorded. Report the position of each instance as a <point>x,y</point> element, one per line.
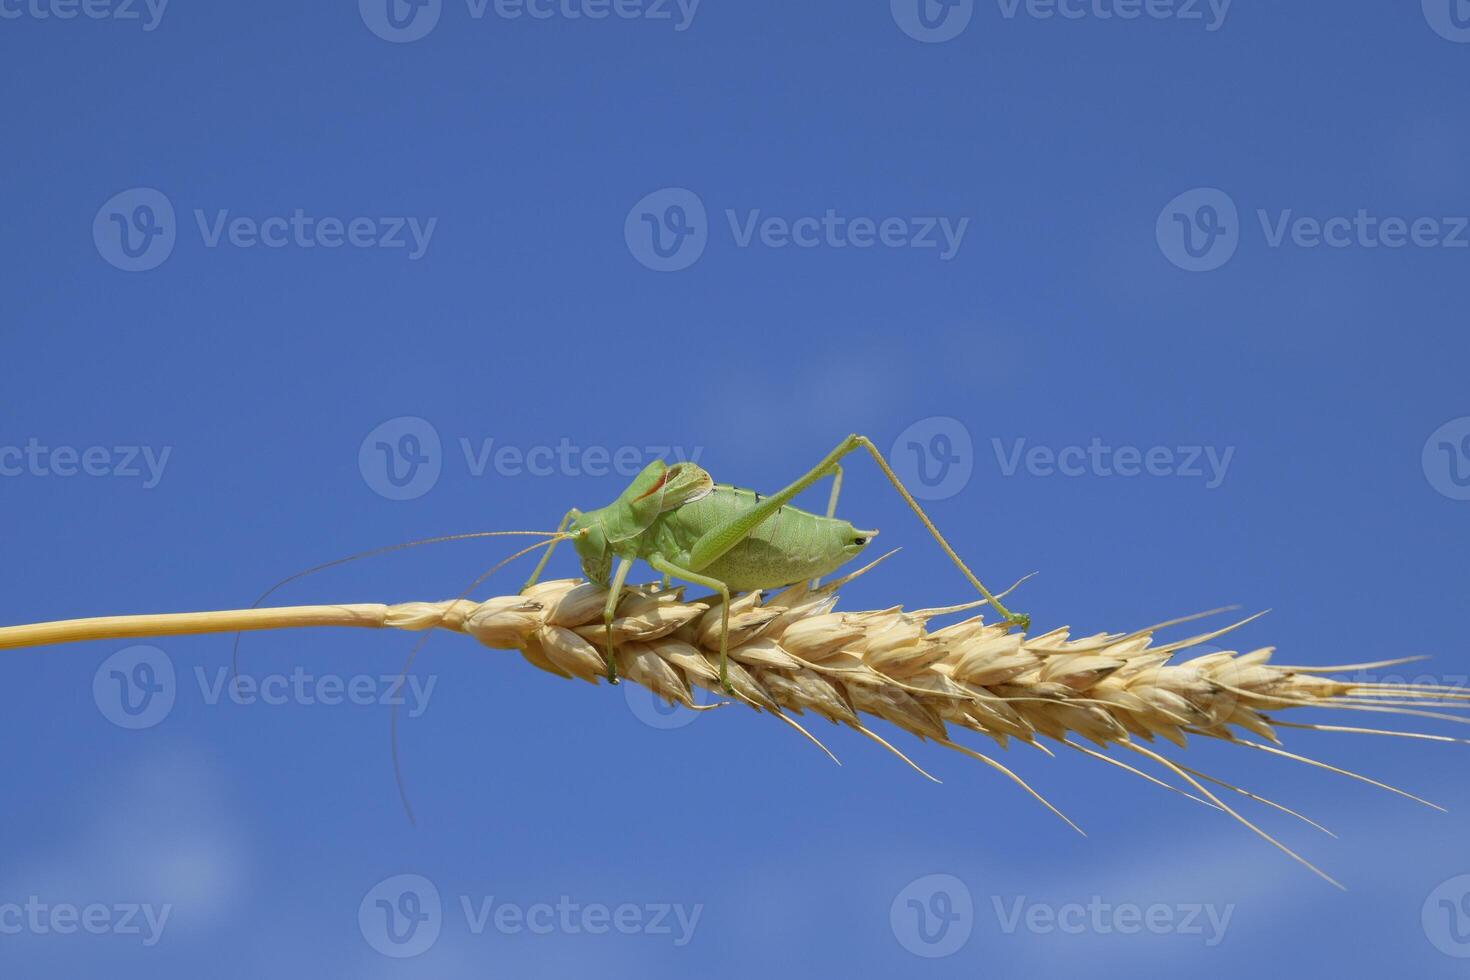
<point>1167,307</point>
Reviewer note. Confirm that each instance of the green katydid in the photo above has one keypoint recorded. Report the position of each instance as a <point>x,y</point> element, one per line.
<point>686,526</point>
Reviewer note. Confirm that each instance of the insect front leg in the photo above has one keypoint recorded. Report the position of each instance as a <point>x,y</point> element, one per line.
<point>609,610</point>
<point>661,564</point>
<point>546,556</point>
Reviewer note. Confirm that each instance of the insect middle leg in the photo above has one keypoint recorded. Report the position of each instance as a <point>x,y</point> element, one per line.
<point>719,540</point>
<point>609,610</point>
<point>660,564</point>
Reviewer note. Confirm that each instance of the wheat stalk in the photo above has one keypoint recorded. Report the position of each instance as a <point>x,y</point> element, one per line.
<point>792,654</point>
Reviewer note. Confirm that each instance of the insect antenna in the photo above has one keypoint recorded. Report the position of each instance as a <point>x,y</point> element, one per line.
<point>371,553</point>
<point>419,645</point>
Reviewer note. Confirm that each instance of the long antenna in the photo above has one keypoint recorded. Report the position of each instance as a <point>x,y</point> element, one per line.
<point>372,553</point>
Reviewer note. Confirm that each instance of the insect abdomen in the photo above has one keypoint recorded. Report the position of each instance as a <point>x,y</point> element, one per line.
<point>787,547</point>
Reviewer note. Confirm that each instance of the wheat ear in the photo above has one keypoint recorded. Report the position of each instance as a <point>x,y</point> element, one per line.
<point>794,655</point>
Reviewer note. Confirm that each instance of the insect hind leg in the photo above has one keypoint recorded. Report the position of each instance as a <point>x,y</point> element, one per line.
<point>721,539</point>
<point>853,442</point>
<point>669,568</point>
<point>832,503</point>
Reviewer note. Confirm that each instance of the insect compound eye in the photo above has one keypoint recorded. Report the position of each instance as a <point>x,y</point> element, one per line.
<point>860,541</point>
